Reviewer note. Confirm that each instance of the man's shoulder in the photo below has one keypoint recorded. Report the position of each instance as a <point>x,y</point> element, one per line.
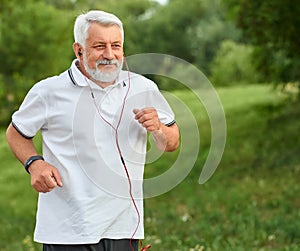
<point>53,81</point>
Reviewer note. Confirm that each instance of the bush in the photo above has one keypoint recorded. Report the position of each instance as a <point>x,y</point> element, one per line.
<point>38,45</point>
<point>233,64</point>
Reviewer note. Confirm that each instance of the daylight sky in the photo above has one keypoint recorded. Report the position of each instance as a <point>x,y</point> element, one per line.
<point>162,1</point>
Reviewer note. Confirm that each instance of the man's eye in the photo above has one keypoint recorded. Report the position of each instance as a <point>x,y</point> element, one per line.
<point>100,46</point>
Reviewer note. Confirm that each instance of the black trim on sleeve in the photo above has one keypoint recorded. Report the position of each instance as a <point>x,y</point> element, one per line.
<point>171,123</point>
<point>20,132</point>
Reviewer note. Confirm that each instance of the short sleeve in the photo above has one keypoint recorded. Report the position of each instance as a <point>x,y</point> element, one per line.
<point>147,94</point>
<point>165,113</point>
<point>32,114</point>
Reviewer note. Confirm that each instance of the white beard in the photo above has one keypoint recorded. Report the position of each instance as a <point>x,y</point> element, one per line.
<point>102,76</point>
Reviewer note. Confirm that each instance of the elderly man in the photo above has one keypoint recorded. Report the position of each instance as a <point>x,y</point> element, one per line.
<point>94,119</point>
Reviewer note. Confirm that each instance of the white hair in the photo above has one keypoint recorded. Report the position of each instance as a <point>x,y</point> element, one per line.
<point>83,22</point>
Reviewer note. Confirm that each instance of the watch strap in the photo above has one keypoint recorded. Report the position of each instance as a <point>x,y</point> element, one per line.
<point>31,160</point>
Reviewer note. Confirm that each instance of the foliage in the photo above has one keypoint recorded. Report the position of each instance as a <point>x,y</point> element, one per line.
<point>165,30</point>
<point>194,34</point>
<point>250,203</point>
<point>39,30</point>
<point>209,32</point>
<point>190,30</point>
<point>39,45</point>
<point>274,28</point>
<point>233,65</point>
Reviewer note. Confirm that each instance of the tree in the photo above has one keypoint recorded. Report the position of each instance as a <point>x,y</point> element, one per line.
<point>35,42</point>
<point>274,28</point>
<point>165,29</point>
<point>191,30</point>
<point>36,46</point>
<point>232,65</point>
<point>209,32</point>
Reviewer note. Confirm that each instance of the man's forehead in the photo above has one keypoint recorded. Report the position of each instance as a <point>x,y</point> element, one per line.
<point>99,29</point>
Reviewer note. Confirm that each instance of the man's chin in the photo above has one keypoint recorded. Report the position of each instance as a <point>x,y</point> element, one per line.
<point>107,77</point>
<point>104,75</point>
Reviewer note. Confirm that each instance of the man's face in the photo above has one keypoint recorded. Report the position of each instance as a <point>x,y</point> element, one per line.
<point>103,55</point>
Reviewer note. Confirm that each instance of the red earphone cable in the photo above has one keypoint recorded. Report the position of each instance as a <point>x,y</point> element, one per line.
<point>121,156</point>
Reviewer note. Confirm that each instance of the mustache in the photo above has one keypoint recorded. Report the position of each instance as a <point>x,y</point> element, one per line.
<point>108,62</point>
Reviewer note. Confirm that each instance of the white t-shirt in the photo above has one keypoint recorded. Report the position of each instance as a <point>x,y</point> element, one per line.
<point>80,139</point>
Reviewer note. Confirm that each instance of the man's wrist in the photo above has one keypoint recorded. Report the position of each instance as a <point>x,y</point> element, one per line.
<point>30,160</point>
<point>158,131</point>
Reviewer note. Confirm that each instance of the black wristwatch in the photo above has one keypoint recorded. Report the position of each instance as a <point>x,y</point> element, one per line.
<point>31,160</point>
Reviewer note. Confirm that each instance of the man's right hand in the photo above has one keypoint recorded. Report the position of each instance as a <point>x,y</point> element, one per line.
<point>44,177</point>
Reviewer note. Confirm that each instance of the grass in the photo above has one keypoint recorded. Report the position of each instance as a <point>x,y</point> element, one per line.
<point>17,203</point>
<point>251,202</point>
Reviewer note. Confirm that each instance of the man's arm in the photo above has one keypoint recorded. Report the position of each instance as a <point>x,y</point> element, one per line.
<point>166,137</point>
<point>44,177</point>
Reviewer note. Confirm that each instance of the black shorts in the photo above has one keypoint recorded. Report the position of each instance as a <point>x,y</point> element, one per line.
<point>103,245</point>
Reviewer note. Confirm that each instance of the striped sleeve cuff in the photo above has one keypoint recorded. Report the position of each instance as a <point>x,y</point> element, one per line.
<point>20,132</point>
<point>171,123</point>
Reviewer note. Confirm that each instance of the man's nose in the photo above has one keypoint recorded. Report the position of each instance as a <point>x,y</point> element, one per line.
<point>108,53</point>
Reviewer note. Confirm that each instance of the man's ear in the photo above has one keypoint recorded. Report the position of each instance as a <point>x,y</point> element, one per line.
<point>78,50</point>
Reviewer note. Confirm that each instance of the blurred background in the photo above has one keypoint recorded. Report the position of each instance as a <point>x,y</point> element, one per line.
<point>250,52</point>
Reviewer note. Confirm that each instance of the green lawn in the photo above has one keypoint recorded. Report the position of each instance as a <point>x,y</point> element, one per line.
<point>251,202</point>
